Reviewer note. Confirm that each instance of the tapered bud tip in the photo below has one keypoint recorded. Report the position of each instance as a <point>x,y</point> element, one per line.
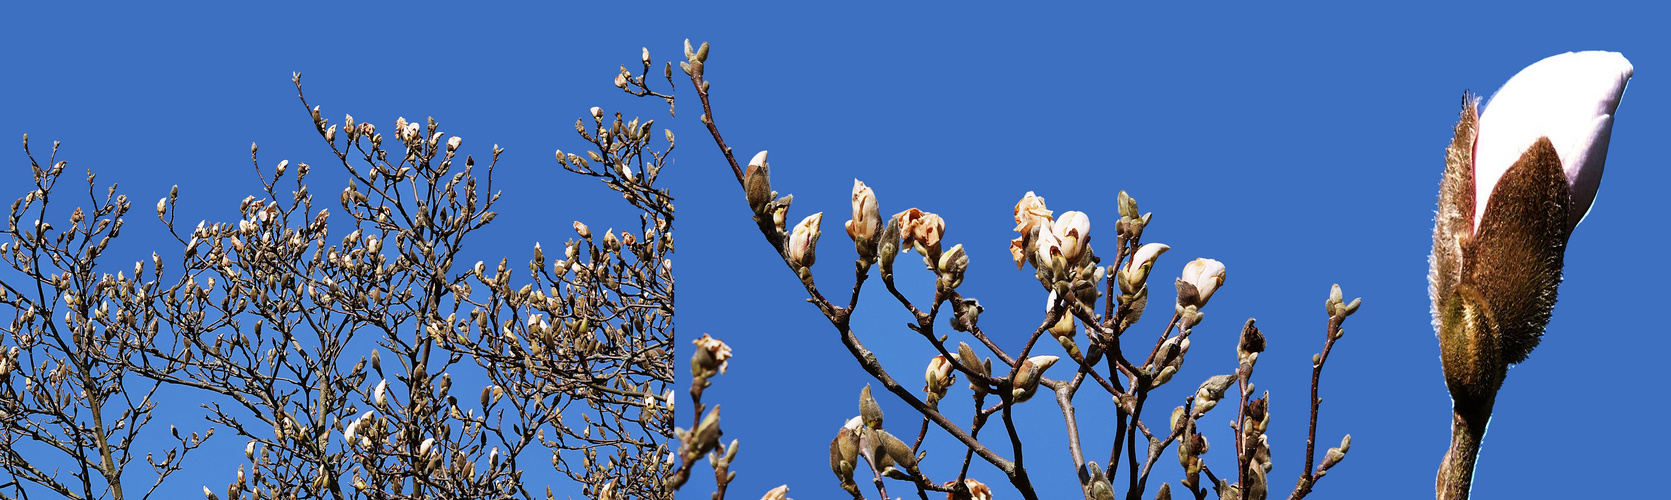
<point>759,159</point>
<point>778,493</point>
<point>1571,99</point>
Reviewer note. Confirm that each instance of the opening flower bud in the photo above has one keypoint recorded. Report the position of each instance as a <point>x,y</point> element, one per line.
<point>803,241</point>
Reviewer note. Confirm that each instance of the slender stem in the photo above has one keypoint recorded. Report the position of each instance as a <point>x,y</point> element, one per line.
<point>1456,474</point>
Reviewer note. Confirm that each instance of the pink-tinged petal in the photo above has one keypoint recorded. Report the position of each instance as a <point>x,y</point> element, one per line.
<point>1569,98</point>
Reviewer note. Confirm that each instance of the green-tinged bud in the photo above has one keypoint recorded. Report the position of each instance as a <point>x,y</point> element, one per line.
<point>1099,488</point>
<point>1180,417</point>
<point>1128,205</point>
<point>1136,270</point>
<point>887,248</point>
<point>953,264</point>
<point>1211,392</point>
<point>869,410</point>
<point>705,437</point>
<point>844,457</point>
<point>897,451</point>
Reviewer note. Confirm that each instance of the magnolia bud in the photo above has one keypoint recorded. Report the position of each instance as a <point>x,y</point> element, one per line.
<point>866,224</point>
<point>804,241</point>
<point>1027,378</point>
<point>1201,277</point>
<point>953,263</point>
<point>869,411</point>
<point>757,182</point>
<point>939,377</point>
<point>1073,231</point>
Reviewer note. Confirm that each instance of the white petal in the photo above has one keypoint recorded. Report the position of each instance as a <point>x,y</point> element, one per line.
<point>1569,98</point>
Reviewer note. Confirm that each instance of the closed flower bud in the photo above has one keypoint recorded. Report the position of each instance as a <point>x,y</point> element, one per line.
<point>757,182</point>
<point>610,242</point>
<point>870,412</point>
<point>803,242</point>
<point>1201,277</point>
<point>844,455</point>
<point>452,144</point>
<point>778,493</point>
<point>866,225</point>
<point>582,230</point>
<point>939,377</point>
<point>1519,177</point>
<point>953,263</point>
<point>1026,381</point>
<point>1569,98</point>
<point>1073,232</point>
<point>1047,249</point>
<point>1136,270</point>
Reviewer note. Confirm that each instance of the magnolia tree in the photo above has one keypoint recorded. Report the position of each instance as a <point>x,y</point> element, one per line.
<point>1518,179</point>
<point>345,349</point>
<point>1093,300</point>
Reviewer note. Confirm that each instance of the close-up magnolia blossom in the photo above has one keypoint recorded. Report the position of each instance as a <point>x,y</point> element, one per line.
<point>1203,277</point>
<point>1518,179</point>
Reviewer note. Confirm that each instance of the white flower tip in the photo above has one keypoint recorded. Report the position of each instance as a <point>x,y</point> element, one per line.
<point>1571,99</point>
<point>759,159</point>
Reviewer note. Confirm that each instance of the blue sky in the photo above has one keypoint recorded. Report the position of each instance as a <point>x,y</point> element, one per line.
<point>1300,145</point>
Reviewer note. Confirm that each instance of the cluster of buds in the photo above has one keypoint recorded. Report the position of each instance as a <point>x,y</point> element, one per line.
<point>862,437</point>
<point>1059,248</point>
